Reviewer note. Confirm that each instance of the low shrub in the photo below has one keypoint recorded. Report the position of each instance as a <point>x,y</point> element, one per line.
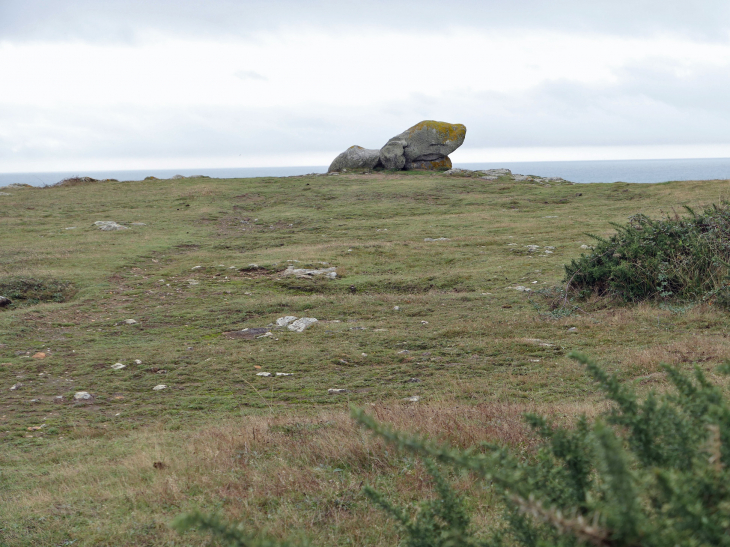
<point>651,473</point>
<point>28,290</point>
<point>685,258</point>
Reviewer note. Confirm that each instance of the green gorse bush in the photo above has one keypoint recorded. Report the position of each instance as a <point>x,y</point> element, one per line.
<point>677,257</point>
<point>654,472</point>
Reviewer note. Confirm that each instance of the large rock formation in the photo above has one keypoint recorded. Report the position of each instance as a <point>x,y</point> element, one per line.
<point>426,145</point>
<point>355,157</point>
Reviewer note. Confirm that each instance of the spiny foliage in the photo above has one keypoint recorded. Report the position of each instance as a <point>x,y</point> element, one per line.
<point>678,257</point>
<point>651,473</point>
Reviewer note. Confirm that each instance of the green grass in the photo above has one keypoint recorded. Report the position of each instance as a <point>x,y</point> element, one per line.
<point>469,336</point>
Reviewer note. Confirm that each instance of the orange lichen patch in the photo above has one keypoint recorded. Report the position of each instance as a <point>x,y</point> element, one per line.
<point>434,165</point>
<point>356,147</point>
<point>39,355</point>
<point>450,131</point>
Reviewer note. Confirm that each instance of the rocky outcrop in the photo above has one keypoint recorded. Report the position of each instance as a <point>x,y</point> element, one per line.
<point>426,145</point>
<point>355,157</point>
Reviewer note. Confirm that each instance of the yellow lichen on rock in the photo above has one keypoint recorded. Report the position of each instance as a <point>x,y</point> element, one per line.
<point>441,164</point>
<point>448,131</point>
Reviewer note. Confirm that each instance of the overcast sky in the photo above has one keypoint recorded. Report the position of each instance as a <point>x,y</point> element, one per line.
<point>133,84</point>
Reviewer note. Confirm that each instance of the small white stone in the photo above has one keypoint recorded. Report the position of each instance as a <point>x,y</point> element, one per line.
<point>118,366</point>
<point>424,322</point>
<point>159,387</point>
<point>82,396</point>
<point>412,399</point>
<point>137,362</point>
<point>284,321</point>
<point>196,267</point>
<point>130,321</point>
<point>336,391</point>
<point>534,282</point>
<point>284,373</point>
<point>15,387</point>
<point>396,308</point>
<point>572,329</point>
<point>193,282</point>
<point>364,354</point>
<point>266,374</point>
<point>584,247</point>
<point>300,325</point>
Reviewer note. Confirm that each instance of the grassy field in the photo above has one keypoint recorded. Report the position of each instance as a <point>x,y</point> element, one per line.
<point>405,317</point>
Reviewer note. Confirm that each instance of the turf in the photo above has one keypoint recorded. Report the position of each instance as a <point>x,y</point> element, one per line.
<point>206,257</point>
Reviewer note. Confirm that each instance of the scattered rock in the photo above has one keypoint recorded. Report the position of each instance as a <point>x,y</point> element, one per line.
<point>16,387</point>
<point>249,333</point>
<point>532,248</point>
<point>586,247</point>
<point>335,391</point>
<point>396,308</point>
<point>284,321</point>
<point>58,399</point>
<point>300,325</point>
<point>436,239</point>
<point>130,321</point>
<point>5,194</point>
<point>5,301</point>
<point>412,399</point>
<point>572,329</point>
<point>196,267</point>
<point>118,366</point>
<point>109,225</point>
<point>355,157</point>
<point>138,224</point>
<point>83,396</point>
<point>159,387</point>
<point>309,273</point>
<point>426,145</point>
<point>284,373</point>
<point>414,380</point>
<point>39,355</point>
<point>265,374</point>
<point>137,362</point>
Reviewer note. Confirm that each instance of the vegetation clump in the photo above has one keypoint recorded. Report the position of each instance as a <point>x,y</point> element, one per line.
<point>686,258</point>
<point>651,473</point>
<point>28,290</point>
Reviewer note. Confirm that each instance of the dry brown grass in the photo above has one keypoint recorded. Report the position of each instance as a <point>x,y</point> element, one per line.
<point>278,473</point>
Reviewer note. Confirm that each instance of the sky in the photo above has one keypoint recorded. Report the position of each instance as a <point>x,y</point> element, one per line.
<point>158,84</point>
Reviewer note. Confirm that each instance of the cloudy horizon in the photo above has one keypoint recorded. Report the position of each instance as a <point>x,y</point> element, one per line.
<point>160,84</point>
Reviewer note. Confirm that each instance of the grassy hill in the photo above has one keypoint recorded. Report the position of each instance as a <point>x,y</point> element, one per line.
<point>409,315</point>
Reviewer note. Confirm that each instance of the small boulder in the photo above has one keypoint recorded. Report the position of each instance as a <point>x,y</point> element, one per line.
<point>118,366</point>
<point>5,301</point>
<point>159,387</point>
<point>109,225</point>
<point>336,391</point>
<point>284,321</point>
<point>83,396</point>
<point>355,157</point>
<point>300,325</point>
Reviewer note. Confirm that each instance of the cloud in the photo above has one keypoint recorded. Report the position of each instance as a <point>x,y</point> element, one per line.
<point>249,75</point>
<point>128,20</point>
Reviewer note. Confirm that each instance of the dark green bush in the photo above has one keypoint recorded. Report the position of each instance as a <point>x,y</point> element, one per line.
<point>653,473</point>
<point>684,258</point>
<point>29,290</point>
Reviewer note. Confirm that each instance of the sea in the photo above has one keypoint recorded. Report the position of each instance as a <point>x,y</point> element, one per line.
<point>635,171</point>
